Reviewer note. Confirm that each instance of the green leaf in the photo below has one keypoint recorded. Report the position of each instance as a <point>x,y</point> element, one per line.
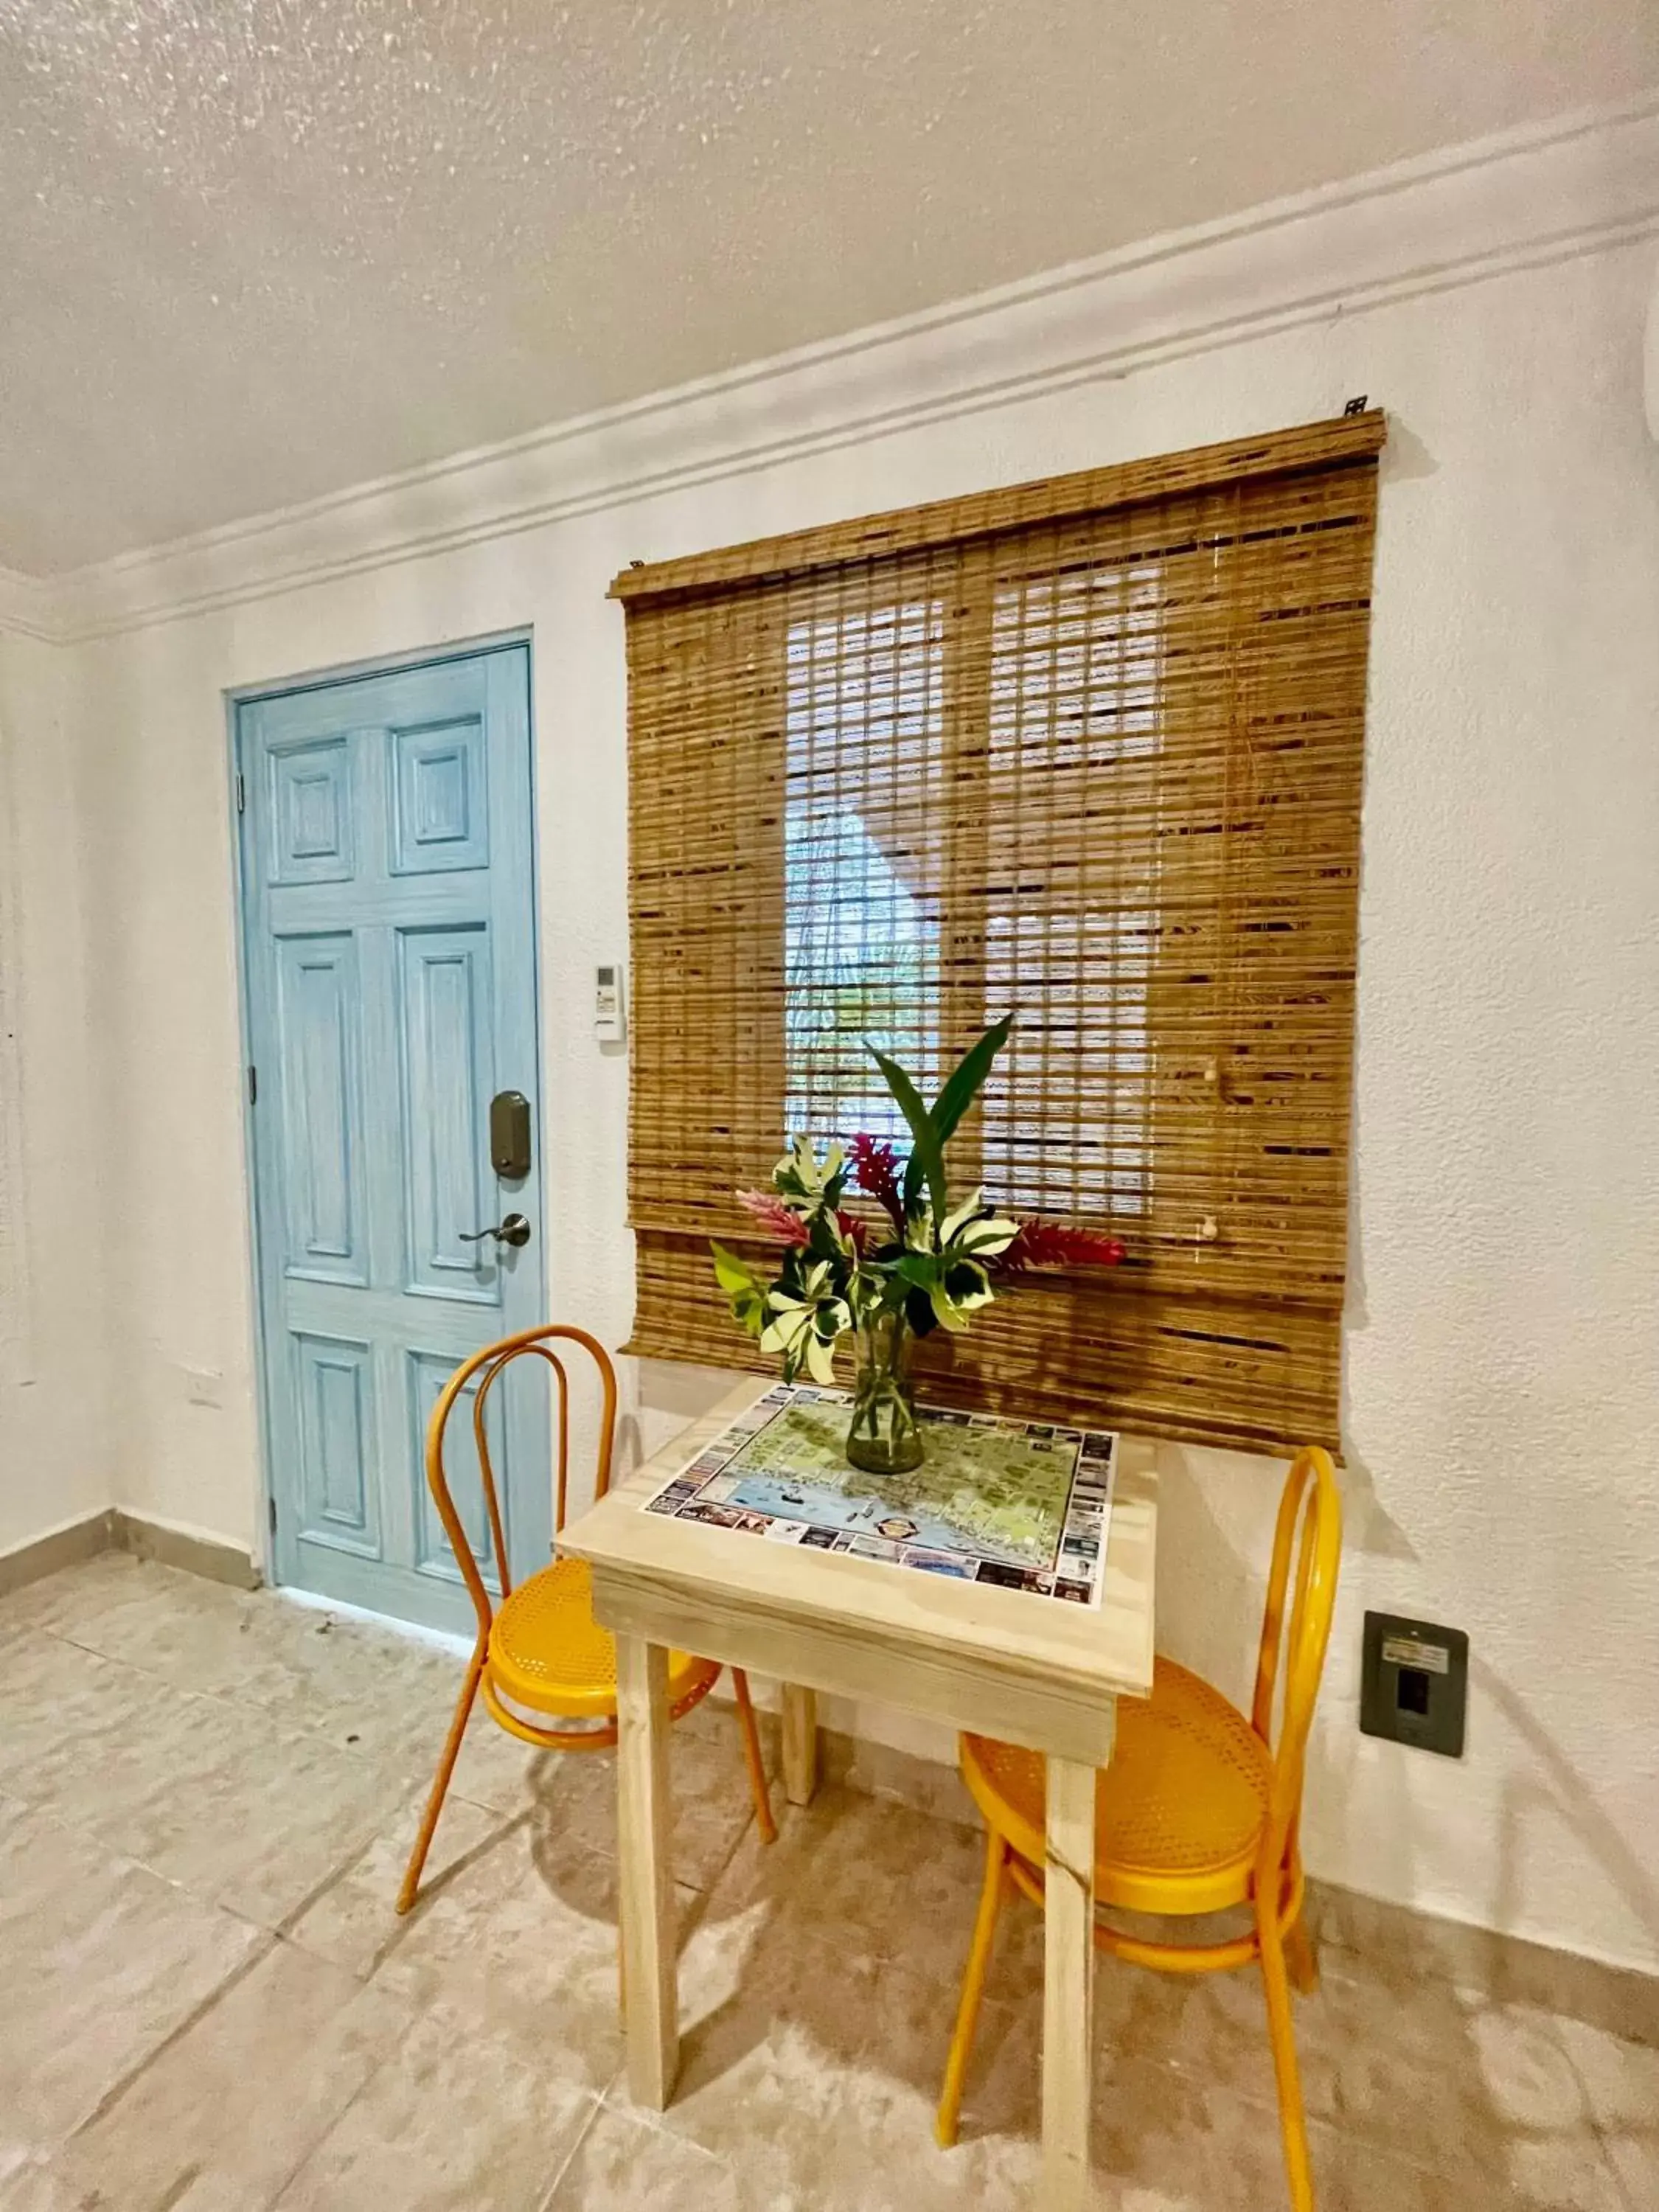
<point>928,1154</point>
<point>963,1084</point>
<point>920,1268</point>
<point>983,1238</point>
<point>744,1292</point>
<point>731,1272</point>
<point>967,1285</point>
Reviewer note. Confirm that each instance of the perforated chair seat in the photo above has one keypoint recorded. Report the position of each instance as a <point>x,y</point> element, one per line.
<point>1184,1800</point>
<point>548,1653</point>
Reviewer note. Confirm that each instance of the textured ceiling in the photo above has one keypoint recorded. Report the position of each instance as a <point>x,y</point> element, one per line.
<point>251,251</point>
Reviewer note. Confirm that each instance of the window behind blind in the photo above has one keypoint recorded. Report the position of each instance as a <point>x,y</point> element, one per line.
<point>1090,750</point>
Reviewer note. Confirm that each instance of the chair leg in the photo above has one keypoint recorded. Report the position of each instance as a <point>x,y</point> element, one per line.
<point>1301,1960</point>
<point>973,1988</point>
<point>751,1752</point>
<point>435,1803</point>
<point>1281,2034</point>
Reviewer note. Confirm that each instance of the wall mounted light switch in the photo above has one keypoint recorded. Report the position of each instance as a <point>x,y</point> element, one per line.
<point>1414,1683</point>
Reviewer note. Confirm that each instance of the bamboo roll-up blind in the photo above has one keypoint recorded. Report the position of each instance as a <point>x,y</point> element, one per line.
<point>1088,749</point>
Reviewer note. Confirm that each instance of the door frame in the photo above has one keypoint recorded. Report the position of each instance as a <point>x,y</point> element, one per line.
<point>321,679</point>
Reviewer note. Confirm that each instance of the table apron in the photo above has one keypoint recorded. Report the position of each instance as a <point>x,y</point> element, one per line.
<point>973,1690</point>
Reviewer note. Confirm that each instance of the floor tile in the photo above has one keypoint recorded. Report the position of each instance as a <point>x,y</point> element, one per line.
<point>770,2021</point>
<point>818,2064</point>
<point>180,1626</point>
<point>1210,2027</point>
<point>879,2156</point>
<point>459,2119</point>
<point>1633,2155</point>
<point>240,2099</point>
<point>1370,2053</point>
<point>58,1701</point>
<point>871,1877</point>
<point>248,1813</point>
<point>625,2163</point>
<point>574,1795</point>
<point>522,1942</point>
<point>1620,2079</point>
<point>715,1721</point>
<point>1559,2173</point>
<point>39,2185</point>
<point>876,1770</point>
<point>1183,2141</point>
<point>354,1681</point>
<point>355,1921</point>
<point>1360,2177</point>
<point>495,1769</point>
<point>364,1687</point>
<point>576,1791</point>
<point>76,1596</point>
<point>1526,2071</point>
<point>103,1961</point>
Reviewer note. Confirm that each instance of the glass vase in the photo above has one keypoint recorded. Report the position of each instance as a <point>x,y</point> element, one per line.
<point>885,1436</point>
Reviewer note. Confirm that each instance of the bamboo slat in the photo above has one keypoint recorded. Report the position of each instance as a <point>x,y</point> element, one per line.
<point>1048,499</point>
<point>1092,750</point>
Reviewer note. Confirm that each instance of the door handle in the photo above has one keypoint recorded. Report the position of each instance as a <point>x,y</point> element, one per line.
<point>511,1229</point>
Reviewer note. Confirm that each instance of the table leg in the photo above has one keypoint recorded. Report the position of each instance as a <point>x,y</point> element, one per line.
<point>1068,1977</point>
<point>650,1967</point>
<point>801,1744</point>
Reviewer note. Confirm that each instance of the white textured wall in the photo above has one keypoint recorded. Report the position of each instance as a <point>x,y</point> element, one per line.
<point>53,1466</point>
<point>1502,1345</point>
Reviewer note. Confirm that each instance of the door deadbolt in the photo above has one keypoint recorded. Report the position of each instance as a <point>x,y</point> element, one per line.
<point>509,1135</point>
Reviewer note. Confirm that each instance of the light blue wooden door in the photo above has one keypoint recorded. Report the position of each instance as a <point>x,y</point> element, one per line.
<point>389,965</point>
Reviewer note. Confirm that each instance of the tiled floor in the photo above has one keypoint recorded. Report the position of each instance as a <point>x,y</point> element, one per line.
<point>207,2003</point>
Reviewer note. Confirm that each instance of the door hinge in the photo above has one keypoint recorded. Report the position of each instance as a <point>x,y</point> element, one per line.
<point>270,1512</point>
<point>242,794</point>
<point>252,1085</point>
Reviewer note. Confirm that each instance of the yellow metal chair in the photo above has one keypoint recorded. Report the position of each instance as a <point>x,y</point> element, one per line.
<point>1198,1811</point>
<point>543,1648</point>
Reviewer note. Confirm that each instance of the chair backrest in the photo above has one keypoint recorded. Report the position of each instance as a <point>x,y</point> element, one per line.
<point>489,1364</point>
<point>1296,1627</point>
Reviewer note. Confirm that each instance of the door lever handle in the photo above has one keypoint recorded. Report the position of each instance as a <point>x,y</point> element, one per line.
<point>511,1229</point>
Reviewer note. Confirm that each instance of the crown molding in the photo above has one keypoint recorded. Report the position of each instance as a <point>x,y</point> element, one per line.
<point>30,606</point>
<point>1520,200</point>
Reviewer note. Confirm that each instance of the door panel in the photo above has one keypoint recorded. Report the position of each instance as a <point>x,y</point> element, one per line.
<point>389,955</point>
<point>336,1393</point>
<point>440,794</point>
<point>311,813</point>
<point>319,1022</point>
<point>428,1372</point>
<point>448,1072</point>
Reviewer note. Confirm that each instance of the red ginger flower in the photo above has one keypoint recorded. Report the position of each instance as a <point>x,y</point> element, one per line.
<point>1051,1244</point>
<point>770,1210</point>
<point>875,1170</point>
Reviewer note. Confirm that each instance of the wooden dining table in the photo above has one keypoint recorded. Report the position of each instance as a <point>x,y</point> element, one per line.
<point>1031,1670</point>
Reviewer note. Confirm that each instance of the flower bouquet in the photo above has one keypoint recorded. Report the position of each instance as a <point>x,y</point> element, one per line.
<point>918,1263</point>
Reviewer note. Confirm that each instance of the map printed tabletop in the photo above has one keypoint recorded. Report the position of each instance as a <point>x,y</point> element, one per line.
<point>1026,1505</point>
